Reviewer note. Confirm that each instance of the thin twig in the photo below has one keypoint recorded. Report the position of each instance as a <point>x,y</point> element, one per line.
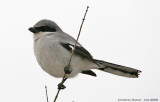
<point>57,95</point>
<point>78,37</point>
<point>72,52</point>
<point>46,93</point>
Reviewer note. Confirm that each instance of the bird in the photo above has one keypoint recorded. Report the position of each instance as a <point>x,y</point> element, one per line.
<point>53,48</point>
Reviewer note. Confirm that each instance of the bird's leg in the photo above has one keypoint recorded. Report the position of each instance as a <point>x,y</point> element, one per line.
<point>60,85</point>
<point>67,70</point>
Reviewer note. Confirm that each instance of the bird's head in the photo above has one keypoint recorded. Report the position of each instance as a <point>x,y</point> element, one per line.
<point>45,26</point>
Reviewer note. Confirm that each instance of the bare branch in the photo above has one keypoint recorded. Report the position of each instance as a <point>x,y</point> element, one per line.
<point>72,52</point>
<point>46,93</point>
<point>78,36</point>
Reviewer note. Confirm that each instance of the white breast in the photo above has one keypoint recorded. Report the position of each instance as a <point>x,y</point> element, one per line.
<point>53,58</point>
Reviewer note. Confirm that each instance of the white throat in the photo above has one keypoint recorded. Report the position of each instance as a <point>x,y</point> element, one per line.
<point>38,35</point>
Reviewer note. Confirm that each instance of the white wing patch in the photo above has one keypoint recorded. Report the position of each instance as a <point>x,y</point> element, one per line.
<point>71,46</point>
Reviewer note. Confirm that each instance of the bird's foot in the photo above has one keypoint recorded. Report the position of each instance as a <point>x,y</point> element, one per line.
<point>67,70</point>
<point>61,86</point>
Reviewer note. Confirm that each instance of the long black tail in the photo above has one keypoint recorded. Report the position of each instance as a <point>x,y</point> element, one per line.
<point>118,69</point>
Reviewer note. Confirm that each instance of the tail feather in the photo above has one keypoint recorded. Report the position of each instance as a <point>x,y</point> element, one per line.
<point>118,69</point>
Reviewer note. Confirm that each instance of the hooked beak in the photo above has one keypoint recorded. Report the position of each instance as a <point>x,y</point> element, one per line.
<point>33,30</point>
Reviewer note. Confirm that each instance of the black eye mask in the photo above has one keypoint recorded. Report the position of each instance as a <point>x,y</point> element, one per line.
<point>45,29</point>
<point>42,29</point>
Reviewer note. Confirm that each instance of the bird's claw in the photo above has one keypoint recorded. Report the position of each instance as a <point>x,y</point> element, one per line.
<point>67,70</point>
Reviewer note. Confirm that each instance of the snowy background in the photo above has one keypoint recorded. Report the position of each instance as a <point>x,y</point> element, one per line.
<point>125,32</point>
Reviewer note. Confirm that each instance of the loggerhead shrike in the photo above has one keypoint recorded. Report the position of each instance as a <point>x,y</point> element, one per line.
<point>53,47</point>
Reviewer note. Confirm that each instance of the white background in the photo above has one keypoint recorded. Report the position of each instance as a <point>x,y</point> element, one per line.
<point>125,32</point>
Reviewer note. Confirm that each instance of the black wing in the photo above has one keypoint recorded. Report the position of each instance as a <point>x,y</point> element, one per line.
<point>89,72</point>
<point>78,50</point>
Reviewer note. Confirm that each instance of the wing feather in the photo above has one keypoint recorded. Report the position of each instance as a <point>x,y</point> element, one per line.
<point>81,51</point>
